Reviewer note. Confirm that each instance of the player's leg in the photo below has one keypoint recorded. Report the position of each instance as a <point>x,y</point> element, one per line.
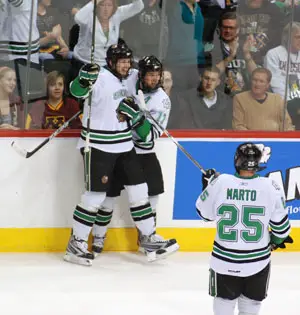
<point>103,218</point>
<point>141,210</point>
<point>99,167</point>
<point>225,289</point>
<point>105,212</point>
<point>254,292</point>
<point>154,178</point>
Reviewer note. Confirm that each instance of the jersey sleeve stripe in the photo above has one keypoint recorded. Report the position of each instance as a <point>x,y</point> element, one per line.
<point>285,218</point>
<point>282,232</point>
<point>281,227</point>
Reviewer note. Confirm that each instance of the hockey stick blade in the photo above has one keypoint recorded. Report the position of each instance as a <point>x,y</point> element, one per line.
<point>19,150</point>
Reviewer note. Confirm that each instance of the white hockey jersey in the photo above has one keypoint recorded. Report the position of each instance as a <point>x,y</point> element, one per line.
<point>158,104</point>
<point>244,210</point>
<point>14,35</point>
<point>106,132</point>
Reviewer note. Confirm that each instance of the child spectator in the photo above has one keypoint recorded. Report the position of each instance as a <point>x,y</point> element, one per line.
<point>56,109</point>
<point>11,108</point>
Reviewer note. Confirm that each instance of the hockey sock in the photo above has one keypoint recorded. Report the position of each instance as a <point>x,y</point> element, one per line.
<point>142,216</point>
<point>83,220</point>
<point>103,219</point>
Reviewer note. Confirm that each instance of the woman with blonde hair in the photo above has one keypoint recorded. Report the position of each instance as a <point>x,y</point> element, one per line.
<point>109,18</point>
<point>11,107</point>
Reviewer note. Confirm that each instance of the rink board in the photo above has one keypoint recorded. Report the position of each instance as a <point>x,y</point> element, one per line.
<point>38,195</point>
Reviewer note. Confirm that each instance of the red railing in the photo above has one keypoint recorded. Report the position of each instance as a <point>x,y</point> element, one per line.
<point>174,133</point>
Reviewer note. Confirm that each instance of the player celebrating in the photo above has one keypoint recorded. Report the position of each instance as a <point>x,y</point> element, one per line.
<point>148,78</point>
<point>244,206</point>
<point>111,147</point>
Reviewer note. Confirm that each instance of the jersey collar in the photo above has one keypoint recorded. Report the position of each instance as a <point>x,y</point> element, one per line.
<point>242,177</point>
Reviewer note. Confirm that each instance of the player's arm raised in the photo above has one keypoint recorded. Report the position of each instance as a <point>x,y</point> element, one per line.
<point>204,203</point>
<point>279,223</point>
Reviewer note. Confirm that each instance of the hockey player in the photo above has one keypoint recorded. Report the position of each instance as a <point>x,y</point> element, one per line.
<point>244,207</point>
<point>111,147</point>
<point>148,78</point>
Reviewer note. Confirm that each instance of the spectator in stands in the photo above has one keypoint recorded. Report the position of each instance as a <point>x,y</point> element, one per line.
<point>259,109</point>
<point>56,109</point>
<point>167,82</point>
<point>233,59</point>
<point>109,18</point>
<point>142,33</point>
<point>276,61</point>
<point>204,107</point>
<point>185,49</point>
<point>11,108</point>
<point>263,21</point>
<point>212,10</point>
<point>14,35</point>
<point>50,23</point>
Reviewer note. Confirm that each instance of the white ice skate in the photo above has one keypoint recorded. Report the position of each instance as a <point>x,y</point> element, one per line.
<point>77,252</point>
<point>98,244</point>
<point>155,247</point>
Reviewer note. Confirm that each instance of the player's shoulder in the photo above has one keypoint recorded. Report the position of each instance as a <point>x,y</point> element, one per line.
<point>161,98</point>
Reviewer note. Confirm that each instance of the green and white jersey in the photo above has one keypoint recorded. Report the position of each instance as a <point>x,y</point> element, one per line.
<point>106,132</point>
<point>14,35</point>
<point>244,209</point>
<point>158,104</point>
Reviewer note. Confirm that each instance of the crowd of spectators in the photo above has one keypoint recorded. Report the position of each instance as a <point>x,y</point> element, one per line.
<point>229,64</point>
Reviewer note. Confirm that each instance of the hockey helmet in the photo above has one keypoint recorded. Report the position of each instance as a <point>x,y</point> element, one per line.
<point>149,64</point>
<point>247,157</point>
<point>116,52</point>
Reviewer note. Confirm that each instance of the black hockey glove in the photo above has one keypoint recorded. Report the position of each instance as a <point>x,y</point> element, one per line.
<point>129,110</point>
<point>288,240</point>
<point>207,178</point>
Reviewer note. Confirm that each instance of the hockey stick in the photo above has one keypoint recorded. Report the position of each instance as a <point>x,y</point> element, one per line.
<point>28,154</point>
<point>166,132</point>
<point>88,122</point>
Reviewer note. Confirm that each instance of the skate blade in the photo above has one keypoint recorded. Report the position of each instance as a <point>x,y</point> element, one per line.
<point>162,253</point>
<point>141,250</point>
<point>71,258</point>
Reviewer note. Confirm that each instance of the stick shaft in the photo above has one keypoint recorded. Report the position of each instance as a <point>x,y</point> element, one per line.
<point>54,134</point>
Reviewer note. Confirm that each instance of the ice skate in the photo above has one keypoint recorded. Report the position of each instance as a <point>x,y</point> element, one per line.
<point>98,244</point>
<point>77,252</point>
<point>155,247</point>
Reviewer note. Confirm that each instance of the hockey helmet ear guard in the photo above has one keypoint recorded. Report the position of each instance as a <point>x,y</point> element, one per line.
<point>87,76</point>
<point>247,157</point>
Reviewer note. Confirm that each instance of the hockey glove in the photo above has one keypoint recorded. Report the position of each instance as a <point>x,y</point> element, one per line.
<point>208,177</point>
<point>86,78</point>
<point>275,246</point>
<point>128,108</point>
